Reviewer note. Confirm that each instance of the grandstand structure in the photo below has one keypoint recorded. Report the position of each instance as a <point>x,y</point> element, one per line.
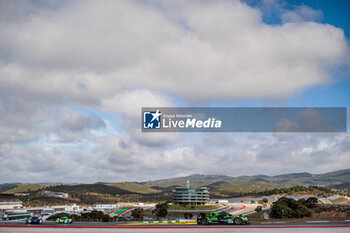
<point>9,201</point>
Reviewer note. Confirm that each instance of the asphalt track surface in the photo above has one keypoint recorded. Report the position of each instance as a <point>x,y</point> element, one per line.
<point>51,227</point>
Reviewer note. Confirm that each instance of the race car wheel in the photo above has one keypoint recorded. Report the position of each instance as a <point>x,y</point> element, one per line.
<point>205,222</point>
<point>238,221</point>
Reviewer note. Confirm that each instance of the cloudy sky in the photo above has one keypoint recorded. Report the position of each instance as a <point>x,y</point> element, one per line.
<point>75,74</point>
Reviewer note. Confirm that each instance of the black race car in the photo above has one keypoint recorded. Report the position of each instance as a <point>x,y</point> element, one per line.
<point>34,220</point>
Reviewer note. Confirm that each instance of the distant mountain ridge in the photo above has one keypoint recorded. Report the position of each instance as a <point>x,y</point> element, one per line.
<point>246,183</point>
<point>220,186</point>
<point>303,178</point>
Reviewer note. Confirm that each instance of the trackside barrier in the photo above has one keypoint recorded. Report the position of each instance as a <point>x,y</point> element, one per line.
<point>169,221</point>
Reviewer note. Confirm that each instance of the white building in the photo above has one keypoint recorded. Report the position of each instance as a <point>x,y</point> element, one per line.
<point>222,202</point>
<point>55,194</point>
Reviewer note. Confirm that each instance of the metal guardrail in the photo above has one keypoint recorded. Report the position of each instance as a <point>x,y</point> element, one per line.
<point>324,204</point>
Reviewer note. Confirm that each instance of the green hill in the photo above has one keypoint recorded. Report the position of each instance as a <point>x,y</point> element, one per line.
<point>242,187</point>
<point>84,194</point>
<point>25,188</point>
<point>326,179</point>
<point>171,184</point>
<point>197,180</point>
<point>8,186</point>
<point>89,188</point>
<point>342,186</point>
<point>291,179</point>
<point>133,187</point>
<point>332,178</point>
<point>219,186</point>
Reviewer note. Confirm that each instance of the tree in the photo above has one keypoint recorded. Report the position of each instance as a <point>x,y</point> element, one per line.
<point>258,209</point>
<point>161,210</point>
<point>302,211</point>
<point>289,208</point>
<point>137,213</point>
<point>252,201</point>
<point>302,201</point>
<point>281,211</point>
<point>311,202</point>
<point>263,201</point>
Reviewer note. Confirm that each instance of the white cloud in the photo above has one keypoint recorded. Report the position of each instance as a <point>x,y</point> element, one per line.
<point>300,14</point>
<point>222,49</point>
<point>119,157</point>
<point>129,104</point>
<point>114,57</point>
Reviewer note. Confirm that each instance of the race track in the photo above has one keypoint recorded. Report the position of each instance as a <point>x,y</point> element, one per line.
<point>321,227</point>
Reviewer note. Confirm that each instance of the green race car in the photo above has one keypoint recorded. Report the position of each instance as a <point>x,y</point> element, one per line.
<point>64,220</point>
<point>220,218</point>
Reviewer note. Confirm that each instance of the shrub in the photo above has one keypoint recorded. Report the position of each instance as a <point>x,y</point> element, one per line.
<point>161,210</point>
<point>311,202</point>
<point>258,209</point>
<point>137,213</point>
